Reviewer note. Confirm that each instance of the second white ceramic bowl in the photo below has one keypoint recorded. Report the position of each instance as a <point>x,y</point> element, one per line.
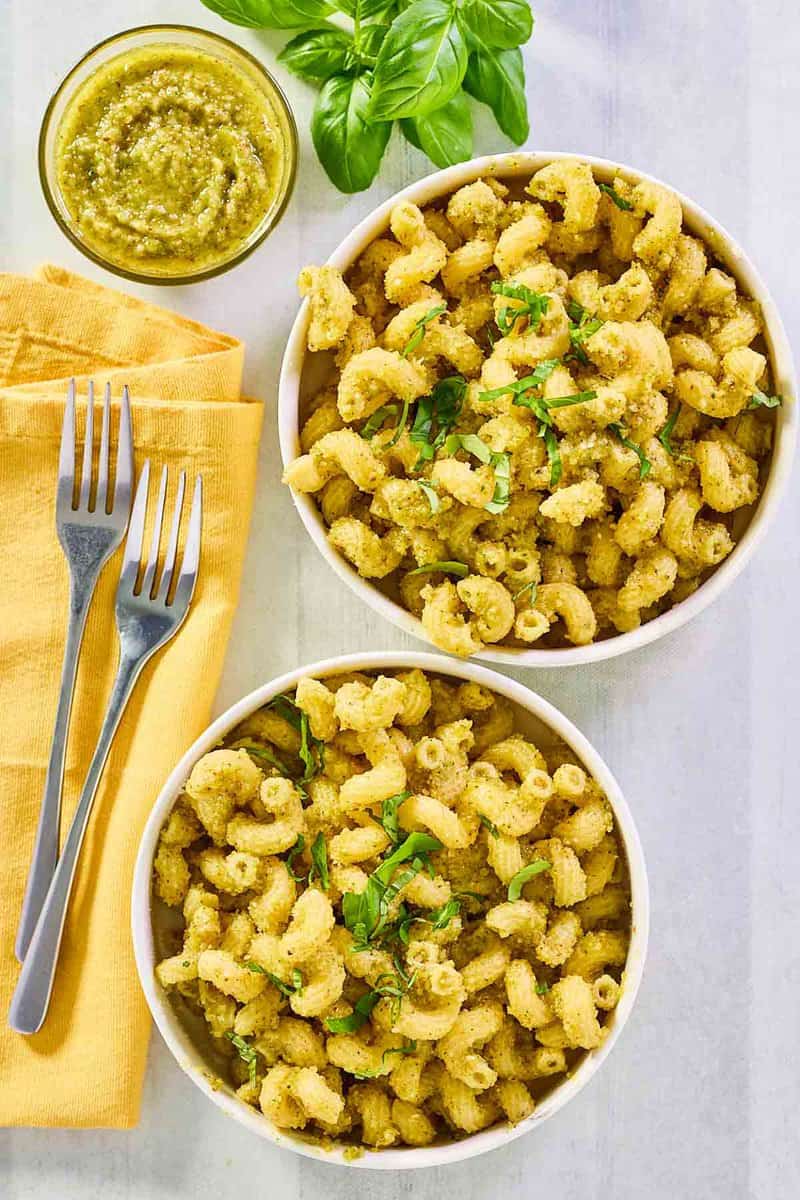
<point>523,164</point>
<point>537,718</point>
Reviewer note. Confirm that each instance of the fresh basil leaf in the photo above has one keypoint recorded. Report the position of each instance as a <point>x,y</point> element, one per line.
<point>665,437</point>
<point>499,462</point>
<point>358,1017</point>
<point>445,134</point>
<point>319,859</point>
<point>582,326</point>
<point>271,14</point>
<point>431,495</point>
<point>497,78</point>
<point>487,824</point>
<point>568,401</point>
<point>644,461</point>
<point>421,62</point>
<point>613,194</point>
<point>469,442</point>
<point>319,53</point>
<point>349,144</point>
<point>446,567</point>
<point>419,329</point>
<point>246,1053</point>
<point>762,400</point>
<point>521,387</point>
<point>502,24</point>
<point>518,882</point>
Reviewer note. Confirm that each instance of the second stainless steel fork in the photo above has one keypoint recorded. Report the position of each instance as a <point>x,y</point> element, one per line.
<point>147,617</point>
<point>89,535</point>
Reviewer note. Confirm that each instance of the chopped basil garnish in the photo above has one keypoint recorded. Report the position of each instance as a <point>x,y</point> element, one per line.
<point>312,750</point>
<point>644,461</point>
<point>614,195</point>
<point>388,818</point>
<point>533,305</point>
<point>553,453</point>
<point>319,860</point>
<point>521,878</point>
<point>440,918</point>
<point>287,989</point>
<point>358,1017</point>
<point>296,849</point>
<point>762,400</point>
<point>365,913</point>
<point>430,493</point>
<point>487,824</point>
<point>246,1053</point>
<point>408,1048</point>
<point>381,415</point>
<point>419,329</point>
<point>532,587</point>
<point>499,462</point>
<point>447,567</point>
<point>582,326</point>
<point>436,415</point>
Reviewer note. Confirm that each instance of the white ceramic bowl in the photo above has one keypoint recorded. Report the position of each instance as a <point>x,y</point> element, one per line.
<point>523,164</point>
<point>535,716</point>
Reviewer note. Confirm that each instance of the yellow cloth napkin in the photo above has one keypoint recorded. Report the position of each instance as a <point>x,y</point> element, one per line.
<point>85,1067</point>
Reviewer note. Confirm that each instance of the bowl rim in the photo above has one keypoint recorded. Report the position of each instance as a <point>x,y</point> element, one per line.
<point>441,183</point>
<point>177,1039</point>
<point>50,188</point>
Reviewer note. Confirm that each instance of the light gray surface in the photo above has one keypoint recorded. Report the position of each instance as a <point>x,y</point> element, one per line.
<point>700,1098</point>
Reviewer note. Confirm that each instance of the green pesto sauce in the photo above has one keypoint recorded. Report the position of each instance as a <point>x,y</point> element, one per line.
<point>168,158</point>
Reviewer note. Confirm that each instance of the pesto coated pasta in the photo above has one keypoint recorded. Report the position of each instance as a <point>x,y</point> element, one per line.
<point>544,406</point>
<point>402,921</point>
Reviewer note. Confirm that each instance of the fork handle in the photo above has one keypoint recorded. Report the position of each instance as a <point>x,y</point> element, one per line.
<point>31,998</point>
<point>45,847</point>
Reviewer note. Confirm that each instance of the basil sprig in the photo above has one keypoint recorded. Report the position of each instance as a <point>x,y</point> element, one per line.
<point>414,62</point>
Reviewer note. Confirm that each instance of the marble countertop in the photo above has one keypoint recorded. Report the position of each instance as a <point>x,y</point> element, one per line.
<point>700,1097</point>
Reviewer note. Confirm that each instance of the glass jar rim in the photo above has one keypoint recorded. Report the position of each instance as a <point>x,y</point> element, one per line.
<point>292,147</point>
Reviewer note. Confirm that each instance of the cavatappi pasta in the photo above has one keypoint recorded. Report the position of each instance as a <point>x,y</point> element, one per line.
<point>402,920</point>
<point>543,409</point>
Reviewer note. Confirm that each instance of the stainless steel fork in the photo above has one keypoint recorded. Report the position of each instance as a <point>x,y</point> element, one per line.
<point>147,617</point>
<point>89,535</point>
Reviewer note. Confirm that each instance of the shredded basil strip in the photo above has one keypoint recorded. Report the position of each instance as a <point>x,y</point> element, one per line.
<point>447,567</point>
<point>644,461</point>
<point>389,819</point>
<point>430,493</point>
<point>532,586</point>
<point>365,912</point>
<point>499,462</point>
<point>419,329</point>
<point>246,1053</point>
<point>762,400</point>
<point>319,859</point>
<point>533,305</point>
<point>435,416</point>
<point>358,1017</point>
<point>287,989</point>
<point>408,1048</point>
<point>521,878</point>
<point>296,849</point>
<point>614,195</point>
<point>487,824</point>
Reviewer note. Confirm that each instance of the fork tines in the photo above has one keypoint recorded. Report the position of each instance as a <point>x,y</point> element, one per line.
<point>158,591</point>
<point>66,460</point>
